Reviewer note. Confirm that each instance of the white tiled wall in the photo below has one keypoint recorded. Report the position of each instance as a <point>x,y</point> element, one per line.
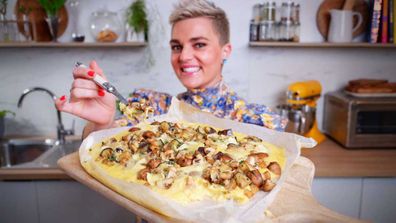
<point>260,75</point>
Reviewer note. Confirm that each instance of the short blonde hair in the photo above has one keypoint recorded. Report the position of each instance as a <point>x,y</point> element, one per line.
<point>188,9</point>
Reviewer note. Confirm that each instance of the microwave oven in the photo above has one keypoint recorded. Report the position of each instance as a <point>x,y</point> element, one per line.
<point>360,122</point>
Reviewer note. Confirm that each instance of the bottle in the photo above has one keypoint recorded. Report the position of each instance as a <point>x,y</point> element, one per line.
<point>263,26</point>
<point>76,35</point>
<point>296,23</point>
<point>286,26</point>
<point>253,31</point>
<point>255,22</point>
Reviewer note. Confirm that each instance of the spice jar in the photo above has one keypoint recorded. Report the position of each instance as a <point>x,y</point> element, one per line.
<point>105,26</point>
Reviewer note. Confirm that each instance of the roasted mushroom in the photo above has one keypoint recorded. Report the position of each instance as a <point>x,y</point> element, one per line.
<point>275,168</point>
<point>255,177</point>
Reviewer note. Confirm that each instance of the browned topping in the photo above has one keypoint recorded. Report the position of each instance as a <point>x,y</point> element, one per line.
<point>253,138</point>
<point>232,146</point>
<point>153,163</point>
<point>266,175</point>
<point>248,193</point>
<point>209,150</point>
<point>124,158</point>
<point>209,130</point>
<point>226,132</point>
<point>231,184</point>
<point>255,177</point>
<point>184,161</point>
<point>206,174</point>
<point>134,129</point>
<point>148,134</point>
<point>226,175</point>
<point>225,157</point>
<point>244,166</point>
<point>164,126</point>
<point>242,180</point>
<point>259,156</point>
<point>142,174</point>
<point>262,164</point>
<point>254,188</point>
<point>201,150</point>
<point>267,186</point>
<point>125,138</point>
<point>275,168</point>
<point>234,164</point>
<point>162,145</point>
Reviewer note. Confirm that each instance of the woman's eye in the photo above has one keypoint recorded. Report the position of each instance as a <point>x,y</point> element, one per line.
<point>176,48</point>
<point>200,45</point>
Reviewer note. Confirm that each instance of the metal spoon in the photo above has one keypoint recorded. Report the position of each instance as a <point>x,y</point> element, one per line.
<point>105,85</point>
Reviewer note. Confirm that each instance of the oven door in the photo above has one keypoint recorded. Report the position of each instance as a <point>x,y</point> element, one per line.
<point>372,126</point>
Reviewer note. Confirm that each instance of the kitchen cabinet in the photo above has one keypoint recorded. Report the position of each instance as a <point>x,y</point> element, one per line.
<point>379,199</point>
<point>343,195</point>
<point>372,199</point>
<point>18,202</point>
<point>57,201</point>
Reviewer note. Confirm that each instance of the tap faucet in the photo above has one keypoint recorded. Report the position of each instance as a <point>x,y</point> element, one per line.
<point>61,131</point>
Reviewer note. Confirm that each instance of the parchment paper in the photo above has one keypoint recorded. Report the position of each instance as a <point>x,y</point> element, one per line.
<point>208,210</point>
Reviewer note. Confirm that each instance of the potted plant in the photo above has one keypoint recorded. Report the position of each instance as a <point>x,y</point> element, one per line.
<point>137,24</point>
<point>52,8</point>
<point>3,9</point>
<point>3,113</point>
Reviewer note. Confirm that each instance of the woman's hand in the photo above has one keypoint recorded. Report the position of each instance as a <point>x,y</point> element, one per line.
<point>87,99</point>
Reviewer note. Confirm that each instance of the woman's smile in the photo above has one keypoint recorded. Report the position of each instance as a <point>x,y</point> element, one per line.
<point>190,69</point>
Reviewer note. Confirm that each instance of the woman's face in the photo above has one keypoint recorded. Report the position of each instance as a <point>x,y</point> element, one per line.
<point>197,55</point>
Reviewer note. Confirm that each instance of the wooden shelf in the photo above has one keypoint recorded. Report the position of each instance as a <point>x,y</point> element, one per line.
<point>321,45</point>
<point>70,45</point>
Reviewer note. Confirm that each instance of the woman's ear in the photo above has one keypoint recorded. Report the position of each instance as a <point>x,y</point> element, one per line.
<point>227,48</point>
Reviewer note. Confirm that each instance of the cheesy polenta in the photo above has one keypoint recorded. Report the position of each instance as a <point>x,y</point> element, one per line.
<point>189,162</point>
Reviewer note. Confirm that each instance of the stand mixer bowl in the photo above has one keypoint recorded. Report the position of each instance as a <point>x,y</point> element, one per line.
<point>301,119</point>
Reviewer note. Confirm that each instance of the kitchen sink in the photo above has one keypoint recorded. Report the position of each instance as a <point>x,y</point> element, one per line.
<point>35,153</point>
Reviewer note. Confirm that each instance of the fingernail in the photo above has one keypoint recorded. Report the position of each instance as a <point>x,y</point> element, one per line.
<point>91,73</point>
<point>101,92</point>
<point>63,98</point>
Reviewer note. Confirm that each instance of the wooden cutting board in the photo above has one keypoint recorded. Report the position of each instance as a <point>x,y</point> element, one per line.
<point>39,28</point>
<point>323,15</point>
<point>293,203</point>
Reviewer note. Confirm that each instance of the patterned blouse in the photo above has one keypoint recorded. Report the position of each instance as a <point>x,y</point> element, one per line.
<point>219,100</point>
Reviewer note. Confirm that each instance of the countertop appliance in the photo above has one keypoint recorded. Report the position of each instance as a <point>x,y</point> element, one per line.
<point>359,122</point>
<point>300,109</point>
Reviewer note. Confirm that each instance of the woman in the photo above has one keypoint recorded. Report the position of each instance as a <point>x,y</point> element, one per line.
<point>200,45</point>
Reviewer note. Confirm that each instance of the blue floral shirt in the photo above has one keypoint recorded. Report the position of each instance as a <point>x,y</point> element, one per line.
<point>219,100</point>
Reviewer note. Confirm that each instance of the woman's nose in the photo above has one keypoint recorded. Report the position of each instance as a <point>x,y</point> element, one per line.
<point>186,54</point>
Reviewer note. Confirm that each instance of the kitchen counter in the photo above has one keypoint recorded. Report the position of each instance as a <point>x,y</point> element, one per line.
<point>333,160</point>
<point>330,159</point>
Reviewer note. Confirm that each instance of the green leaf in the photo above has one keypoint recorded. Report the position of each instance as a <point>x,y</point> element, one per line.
<point>52,7</point>
<point>4,112</point>
<point>137,17</point>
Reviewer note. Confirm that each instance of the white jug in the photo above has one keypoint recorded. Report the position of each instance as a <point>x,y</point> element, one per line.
<point>341,25</point>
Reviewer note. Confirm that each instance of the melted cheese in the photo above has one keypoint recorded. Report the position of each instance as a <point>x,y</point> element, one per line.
<point>188,186</point>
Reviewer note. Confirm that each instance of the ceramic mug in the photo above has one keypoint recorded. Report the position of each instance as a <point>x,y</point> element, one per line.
<point>341,25</point>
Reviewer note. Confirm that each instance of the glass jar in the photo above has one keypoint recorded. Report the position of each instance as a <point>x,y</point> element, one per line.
<point>105,26</point>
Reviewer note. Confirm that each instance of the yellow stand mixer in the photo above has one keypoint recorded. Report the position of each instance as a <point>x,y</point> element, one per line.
<point>300,109</point>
